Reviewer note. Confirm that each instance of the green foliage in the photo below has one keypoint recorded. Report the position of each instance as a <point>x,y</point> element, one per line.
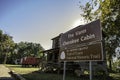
<point>108,11</point>
<point>6,46</point>
<point>10,51</point>
<point>28,49</point>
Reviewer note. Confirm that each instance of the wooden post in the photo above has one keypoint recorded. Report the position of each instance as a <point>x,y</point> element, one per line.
<point>90,69</point>
<point>64,71</point>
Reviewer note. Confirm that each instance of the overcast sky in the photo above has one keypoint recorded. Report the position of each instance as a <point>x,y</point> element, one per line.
<point>38,21</point>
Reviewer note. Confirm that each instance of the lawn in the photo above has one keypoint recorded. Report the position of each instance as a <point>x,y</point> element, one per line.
<point>21,70</point>
<point>30,73</point>
<point>35,74</point>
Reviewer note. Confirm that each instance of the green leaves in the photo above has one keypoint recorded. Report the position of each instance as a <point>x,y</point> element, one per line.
<point>108,11</point>
<point>6,46</point>
<point>9,51</point>
<point>28,49</point>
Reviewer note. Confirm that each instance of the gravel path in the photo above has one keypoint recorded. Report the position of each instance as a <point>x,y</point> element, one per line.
<point>4,73</point>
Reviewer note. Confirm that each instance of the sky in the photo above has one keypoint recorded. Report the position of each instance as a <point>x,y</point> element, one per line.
<point>39,21</point>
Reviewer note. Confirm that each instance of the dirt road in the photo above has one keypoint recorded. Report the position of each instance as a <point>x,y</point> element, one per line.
<point>4,73</point>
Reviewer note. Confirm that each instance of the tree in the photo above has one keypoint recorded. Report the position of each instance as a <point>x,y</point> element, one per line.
<point>10,51</point>
<point>108,11</point>
<point>6,46</point>
<point>25,49</point>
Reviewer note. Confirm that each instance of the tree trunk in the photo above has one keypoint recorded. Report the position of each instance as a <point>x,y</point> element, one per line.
<point>110,65</point>
<point>5,58</point>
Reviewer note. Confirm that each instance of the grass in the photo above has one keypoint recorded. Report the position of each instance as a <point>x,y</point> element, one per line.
<point>32,73</point>
<point>21,70</point>
<point>35,74</point>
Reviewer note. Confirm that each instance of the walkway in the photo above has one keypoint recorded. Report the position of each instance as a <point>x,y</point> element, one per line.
<point>4,73</point>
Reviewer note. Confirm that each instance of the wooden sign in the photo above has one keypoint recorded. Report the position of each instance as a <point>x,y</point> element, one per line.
<point>73,41</point>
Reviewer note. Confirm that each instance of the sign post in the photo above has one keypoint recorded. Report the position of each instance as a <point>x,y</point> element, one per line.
<point>64,72</point>
<point>83,43</point>
<point>90,69</point>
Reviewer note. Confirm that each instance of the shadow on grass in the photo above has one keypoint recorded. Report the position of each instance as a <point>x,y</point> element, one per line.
<point>38,75</point>
<point>54,76</point>
<point>6,78</point>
